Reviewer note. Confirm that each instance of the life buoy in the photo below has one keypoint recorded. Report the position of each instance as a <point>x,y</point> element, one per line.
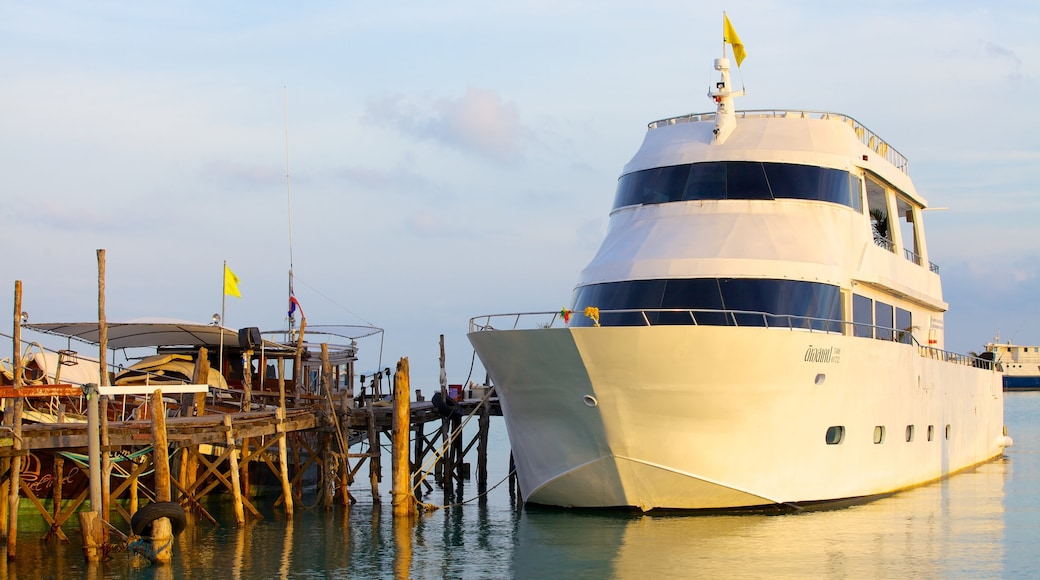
<point>141,522</point>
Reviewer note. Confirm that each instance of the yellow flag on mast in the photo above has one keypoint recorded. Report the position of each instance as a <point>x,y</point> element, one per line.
<point>729,35</point>
<point>231,283</point>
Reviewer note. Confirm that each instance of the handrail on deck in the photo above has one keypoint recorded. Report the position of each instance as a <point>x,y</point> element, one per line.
<point>744,318</point>
<point>869,138</point>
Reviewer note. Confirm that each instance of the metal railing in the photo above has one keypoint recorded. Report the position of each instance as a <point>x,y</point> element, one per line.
<point>714,317</point>
<point>865,135</point>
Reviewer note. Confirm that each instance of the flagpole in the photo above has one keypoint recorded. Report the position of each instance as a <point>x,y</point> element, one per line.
<point>220,326</point>
<point>723,34</point>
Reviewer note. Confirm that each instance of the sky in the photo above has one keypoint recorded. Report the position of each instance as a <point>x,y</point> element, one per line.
<point>417,164</point>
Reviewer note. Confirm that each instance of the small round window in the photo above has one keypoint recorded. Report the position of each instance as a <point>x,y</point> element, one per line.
<point>835,435</point>
<point>879,434</point>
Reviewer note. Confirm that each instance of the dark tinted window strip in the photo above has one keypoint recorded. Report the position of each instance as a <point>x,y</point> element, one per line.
<point>738,180</point>
<point>747,302</point>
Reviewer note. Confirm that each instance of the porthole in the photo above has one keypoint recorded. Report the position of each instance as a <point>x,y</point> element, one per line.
<point>909,433</point>
<point>947,431</point>
<point>835,435</point>
<point>879,434</point>
<point>820,378</point>
<point>931,432</point>
<point>590,401</point>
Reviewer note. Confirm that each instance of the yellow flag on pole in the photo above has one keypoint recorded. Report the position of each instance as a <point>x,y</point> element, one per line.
<point>729,35</point>
<point>231,283</point>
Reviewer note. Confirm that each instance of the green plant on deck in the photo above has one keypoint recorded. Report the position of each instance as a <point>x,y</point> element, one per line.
<point>879,219</point>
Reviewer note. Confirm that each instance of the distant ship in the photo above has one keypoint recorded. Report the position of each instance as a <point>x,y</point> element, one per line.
<point>1020,365</point>
<point>761,327</point>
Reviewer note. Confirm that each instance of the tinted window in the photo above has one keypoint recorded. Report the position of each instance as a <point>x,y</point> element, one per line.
<point>904,325</point>
<point>883,319</point>
<point>738,180</point>
<point>749,302</point>
<point>862,316</point>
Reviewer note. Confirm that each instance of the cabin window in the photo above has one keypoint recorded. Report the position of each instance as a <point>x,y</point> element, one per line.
<point>931,432</point>
<point>862,316</point>
<point>904,326</point>
<point>713,301</point>
<point>947,431</point>
<point>877,207</point>
<point>909,433</point>
<point>835,435</point>
<point>738,180</point>
<point>879,434</point>
<point>908,231</point>
<point>883,320</point>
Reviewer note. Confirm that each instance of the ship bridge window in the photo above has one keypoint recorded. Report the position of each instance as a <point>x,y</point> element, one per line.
<point>714,302</point>
<point>738,180</point>
<point>883,317</point>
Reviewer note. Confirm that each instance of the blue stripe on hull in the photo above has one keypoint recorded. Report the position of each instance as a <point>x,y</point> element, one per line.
<point>1027,383</point>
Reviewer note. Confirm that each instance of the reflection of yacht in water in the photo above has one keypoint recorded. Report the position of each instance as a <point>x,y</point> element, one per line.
<point>1020,365</point>
<point>761,326</point>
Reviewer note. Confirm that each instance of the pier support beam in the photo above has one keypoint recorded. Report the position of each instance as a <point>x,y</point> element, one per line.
<point>403,498</point>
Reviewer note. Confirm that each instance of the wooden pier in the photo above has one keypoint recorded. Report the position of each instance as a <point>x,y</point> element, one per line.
<point>155,446</point>
<point>238,455</point>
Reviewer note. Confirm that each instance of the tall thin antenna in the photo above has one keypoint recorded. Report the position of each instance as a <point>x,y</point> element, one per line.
<point>288,198</point>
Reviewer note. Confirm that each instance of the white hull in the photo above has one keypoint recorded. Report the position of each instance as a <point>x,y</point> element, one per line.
<point>716,417</point>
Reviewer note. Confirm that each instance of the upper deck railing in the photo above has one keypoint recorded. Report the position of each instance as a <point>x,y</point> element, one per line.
<point>742,318</point>
<point>865,135</point>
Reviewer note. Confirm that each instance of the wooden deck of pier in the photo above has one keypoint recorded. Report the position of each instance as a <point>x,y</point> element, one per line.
<point>201,462</point>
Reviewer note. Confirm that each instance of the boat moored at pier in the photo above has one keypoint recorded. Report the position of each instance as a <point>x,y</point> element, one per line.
<point>761,326</point>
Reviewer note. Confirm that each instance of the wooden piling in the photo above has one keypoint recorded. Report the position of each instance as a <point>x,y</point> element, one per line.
<point>236,486</point>
<point>283,440</point>
<point>483,429</point>
<point>247,380</point>
<point>283,460</point>
<point>374,452</point>
<point>160,450</point>
<point>106,465</point>
<point>16,428</point>
<point>106,460</point>
<point>403,498</point>
<point>162,541</point>
<point>93,535</point>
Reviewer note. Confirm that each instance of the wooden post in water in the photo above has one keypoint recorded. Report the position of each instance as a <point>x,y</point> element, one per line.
<point>247,406</point>
<point>483,427</point>
<point>283,451</point>
<point>16,424</point>
<point>374,452</point>
<point>162,546</point>
<point>106,460</point>
<point>403,499</point>
<point>106,463</point>
<point>236,488</point>
<point>16,427</point>
<point>329,478</point>
<point>93,534</point>
<point>160,450</point>
<point>447,463</point>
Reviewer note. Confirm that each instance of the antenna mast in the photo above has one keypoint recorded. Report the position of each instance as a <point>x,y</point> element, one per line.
<point>288,198</point>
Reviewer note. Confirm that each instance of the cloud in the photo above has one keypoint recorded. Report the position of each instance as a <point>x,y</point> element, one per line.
<point>479,122</point>
<point>231,176</point>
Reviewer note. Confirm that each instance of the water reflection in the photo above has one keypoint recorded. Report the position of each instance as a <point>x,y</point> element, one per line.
<point>951,528</point>
<point>976,524</point>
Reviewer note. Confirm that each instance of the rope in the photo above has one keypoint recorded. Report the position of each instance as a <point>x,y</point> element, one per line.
<point>438,453</point>
<point>431,506</point>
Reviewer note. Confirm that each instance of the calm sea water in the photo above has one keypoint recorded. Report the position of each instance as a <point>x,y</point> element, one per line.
<point>979,524</point>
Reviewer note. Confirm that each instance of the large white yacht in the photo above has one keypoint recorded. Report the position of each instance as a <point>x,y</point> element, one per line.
<point>761,326</point>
